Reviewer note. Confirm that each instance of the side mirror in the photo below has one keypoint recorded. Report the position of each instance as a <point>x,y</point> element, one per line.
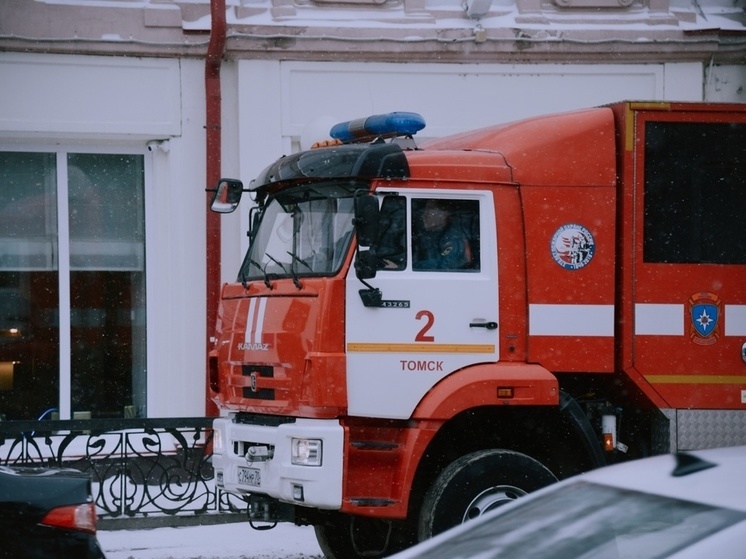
<point>366,219</point>
<point>366,264</point>
<point>227,196</point>
<point>365,268</point>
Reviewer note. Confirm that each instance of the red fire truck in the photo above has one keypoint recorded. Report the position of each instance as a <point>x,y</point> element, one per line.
<point>420,333</point>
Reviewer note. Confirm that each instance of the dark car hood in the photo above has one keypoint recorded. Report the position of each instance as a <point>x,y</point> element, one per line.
<point>43,488</point>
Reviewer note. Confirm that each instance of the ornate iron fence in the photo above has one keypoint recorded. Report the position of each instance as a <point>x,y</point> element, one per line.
<point>138,467</point>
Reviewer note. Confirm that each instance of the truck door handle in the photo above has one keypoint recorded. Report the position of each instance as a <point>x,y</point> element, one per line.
<point>488,325</point>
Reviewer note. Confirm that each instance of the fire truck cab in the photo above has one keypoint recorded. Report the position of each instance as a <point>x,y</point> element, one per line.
<point>418,334</point>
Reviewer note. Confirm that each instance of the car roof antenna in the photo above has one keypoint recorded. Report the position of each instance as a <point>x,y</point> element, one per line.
<point>689,464</point>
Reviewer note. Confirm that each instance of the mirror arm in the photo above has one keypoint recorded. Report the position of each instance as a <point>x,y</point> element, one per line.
<point>370,297</point>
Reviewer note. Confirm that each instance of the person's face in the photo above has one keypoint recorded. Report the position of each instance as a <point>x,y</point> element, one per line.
<point>434,218</point>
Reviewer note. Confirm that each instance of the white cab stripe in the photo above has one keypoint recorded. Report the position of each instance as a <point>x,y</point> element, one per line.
<point>255,321</point>
<point>658,319</point>
<point>651,319</point>
<point>735,320</point>
<point>571,320</point>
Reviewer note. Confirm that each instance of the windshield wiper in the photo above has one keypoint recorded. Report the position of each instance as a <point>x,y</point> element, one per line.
<point>244,280</point>
<point>263,271</point>
<point>299,260</point>
<point>292,273</point>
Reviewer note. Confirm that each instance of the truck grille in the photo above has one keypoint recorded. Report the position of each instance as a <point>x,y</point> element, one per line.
<point>255,391</point>
<point>261,419</point>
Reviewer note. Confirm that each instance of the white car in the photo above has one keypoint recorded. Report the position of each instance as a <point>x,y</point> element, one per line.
<point>683,506</point>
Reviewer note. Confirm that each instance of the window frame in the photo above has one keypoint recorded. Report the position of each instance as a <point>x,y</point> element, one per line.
<point>61,150</point>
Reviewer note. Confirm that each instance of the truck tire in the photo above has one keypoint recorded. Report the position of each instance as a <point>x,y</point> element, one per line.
<point>357,537</point>
<point>476,483</point>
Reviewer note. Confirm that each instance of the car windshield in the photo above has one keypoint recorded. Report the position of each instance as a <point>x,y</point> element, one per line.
<point>585,520</point>
<point>303,231</point>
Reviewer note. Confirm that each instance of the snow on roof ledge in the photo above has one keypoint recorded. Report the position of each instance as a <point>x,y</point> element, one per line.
<point>531,30</point>
<point>683,14</point>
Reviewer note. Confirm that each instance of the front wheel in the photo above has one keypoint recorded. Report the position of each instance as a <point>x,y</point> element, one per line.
<point>356,537</point>
<point>477,483</point>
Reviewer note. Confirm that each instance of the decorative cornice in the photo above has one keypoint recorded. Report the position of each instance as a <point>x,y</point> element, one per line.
<point>384,30</point>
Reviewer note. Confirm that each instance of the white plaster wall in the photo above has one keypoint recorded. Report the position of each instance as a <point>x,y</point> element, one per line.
<point>232,156</point>
<point>725,84</point>
<point>454,98</point>
<point>85,96</point>
<point>176,303</point>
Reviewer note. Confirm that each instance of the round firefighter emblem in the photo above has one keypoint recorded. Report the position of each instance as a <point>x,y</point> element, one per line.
<point>572,246</point>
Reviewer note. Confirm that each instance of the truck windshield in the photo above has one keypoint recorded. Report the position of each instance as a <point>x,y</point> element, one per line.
<point>304,231</point>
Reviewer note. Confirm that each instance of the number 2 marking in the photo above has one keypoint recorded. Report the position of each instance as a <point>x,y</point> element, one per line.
<point>422,335</point>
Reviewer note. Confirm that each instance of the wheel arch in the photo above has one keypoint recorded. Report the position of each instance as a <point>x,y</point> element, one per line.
<point>478,386</point>
<point>541,421</point>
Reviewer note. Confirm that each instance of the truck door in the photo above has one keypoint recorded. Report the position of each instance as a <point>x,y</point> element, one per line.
<point>690,257</point>
<point>437,313</point>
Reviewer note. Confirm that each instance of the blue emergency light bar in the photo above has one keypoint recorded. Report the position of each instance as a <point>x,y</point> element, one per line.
<point>378,126</point>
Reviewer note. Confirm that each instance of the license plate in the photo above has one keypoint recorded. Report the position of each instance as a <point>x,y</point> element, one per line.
<point>249,476</point>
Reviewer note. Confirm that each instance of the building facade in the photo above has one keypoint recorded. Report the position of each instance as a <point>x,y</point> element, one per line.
<point>108,269</point>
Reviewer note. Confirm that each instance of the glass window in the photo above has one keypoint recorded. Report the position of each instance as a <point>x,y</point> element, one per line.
<point>445,235</point>
<point>107,223</point>
<point>391,246</point>
<point>72,285</point>
<point>28,211</point>
<point>301,233</point>
<point>695,191</point>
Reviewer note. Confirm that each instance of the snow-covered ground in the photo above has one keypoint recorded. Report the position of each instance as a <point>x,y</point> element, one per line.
<point>218,541</point>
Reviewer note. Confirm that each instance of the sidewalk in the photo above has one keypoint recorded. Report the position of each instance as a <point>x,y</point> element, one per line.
<point>217,541</point>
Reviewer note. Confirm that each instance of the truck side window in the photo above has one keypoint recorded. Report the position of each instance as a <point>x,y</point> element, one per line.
<point>695,190</point>
<point>445,235</point>
<point>391,246</point>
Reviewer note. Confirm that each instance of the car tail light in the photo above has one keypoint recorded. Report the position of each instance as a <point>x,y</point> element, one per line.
<point>73,517</point>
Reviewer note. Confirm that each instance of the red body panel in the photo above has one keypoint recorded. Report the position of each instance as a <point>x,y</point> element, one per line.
<point>546,210</point>
<point>556,150</point>
<point>298,335</point>
<point>393,470</point>
<point>688,371</point>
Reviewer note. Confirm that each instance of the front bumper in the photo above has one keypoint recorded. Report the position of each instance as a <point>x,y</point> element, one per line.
<point>256,459</point>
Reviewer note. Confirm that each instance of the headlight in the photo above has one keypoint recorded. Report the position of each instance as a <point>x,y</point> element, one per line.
<point>305,452</point>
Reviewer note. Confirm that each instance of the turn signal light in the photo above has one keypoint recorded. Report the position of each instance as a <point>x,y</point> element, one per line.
<point>504,391</point>
<point>608,429</point>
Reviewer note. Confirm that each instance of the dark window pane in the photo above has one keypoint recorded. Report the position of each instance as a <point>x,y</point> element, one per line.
<point>29,293</point>
<point>107,341</point>
<point>29,344</point>
<point>695,192</point>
